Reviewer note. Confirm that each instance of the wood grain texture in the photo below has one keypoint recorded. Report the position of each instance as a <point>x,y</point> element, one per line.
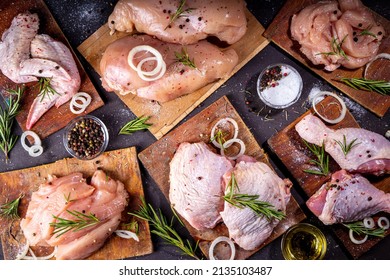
<point>291,150</point>
<point>55,119</point>
<point>120,165</point>
<point>166,115</point>
<point>279,33</point>
<point>156,159</point>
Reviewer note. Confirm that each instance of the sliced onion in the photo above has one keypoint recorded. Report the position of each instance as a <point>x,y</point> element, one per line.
<point>229,142</point>
<point>369,222</point>
<point>127,234</point>
<point>354,240</point>
<point>37,140</point>
<point>343,107</point>
<point>221,121</point>
<point>386,222</point>
<point>22,254</point>
<point>160,63</point>
<point>219,240</point>
<point>381,55</point>
<point>33,257</point>
<point>35,150</point>
<point>75,106</point>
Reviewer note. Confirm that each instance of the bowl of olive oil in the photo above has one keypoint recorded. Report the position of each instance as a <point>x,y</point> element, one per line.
<point>303,242</point>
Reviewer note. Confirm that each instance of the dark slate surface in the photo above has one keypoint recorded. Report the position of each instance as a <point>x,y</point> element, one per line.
<point>79,19</point>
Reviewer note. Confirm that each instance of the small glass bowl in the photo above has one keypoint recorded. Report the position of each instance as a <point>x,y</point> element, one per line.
<point>303,242</point>
<point>280,93</point>
<point>96,151</point>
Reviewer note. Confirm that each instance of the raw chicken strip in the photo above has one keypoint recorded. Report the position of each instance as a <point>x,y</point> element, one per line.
<point>347,198</point>
<point>105,198</point>
<point>211,63</point>
<point>195,184</point>
<point>15,46</point>
<point>224,19</point>
<point>370,155</point>
<point>51,59</point>
<point>248,229</point>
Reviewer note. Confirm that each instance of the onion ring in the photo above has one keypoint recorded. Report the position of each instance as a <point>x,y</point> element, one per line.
<point>142,74</point>
<point>85,100</point>
<point>22,254</point>
<point>235,134</point>
<point>342,103</point>
<point>354,240</point>
<point>126,234</point>
<point>380,223</point>
<point>368,222</point>
<point>48,257</point>
<point>222,239</point>
<point>381,55</point>
<point>35,150</point>
<point>37,140</point>
<point>228,143</point>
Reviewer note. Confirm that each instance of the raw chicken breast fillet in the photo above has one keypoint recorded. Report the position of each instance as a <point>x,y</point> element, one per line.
<point>246,228</point>
<point>195,184</point>
<point>104,197</point>
<point>224,19</point>
<point>347,198</point>
<point>211,64</point>
<point>371,154</point>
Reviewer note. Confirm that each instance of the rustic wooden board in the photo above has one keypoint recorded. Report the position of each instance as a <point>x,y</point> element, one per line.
<point>291,150</point>
<point>166,115</point>
<point>120,165</point>
<point>55,119</point>
<point>279,33</point>
<point>156,159</point>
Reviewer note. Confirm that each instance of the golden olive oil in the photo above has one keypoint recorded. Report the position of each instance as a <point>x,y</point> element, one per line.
<point>303,242</point>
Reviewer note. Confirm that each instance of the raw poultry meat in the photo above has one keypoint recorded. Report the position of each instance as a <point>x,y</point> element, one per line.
<point>370,153</point>
<point>195,184</point>
<point>15,46</point>
<point>51,59</point>
<point>347,198</point>
<point>103,197</point>
<point>330,36</point>
<point>211,64</point>
<point>224,19</point>
<point>248,229</point>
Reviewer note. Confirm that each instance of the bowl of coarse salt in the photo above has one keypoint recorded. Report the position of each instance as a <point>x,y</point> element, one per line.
<point>279,85</point>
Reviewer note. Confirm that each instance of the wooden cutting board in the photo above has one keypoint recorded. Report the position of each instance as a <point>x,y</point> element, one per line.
<point>279,33</point>
<point>156,159</point>
<point>55,119</point>
<point>120,165</point>
<point>166,115</point>
<point>291,150</point>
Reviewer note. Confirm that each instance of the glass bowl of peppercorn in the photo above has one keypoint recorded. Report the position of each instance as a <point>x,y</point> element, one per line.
<point>279,85</point>
<point>85,137</point>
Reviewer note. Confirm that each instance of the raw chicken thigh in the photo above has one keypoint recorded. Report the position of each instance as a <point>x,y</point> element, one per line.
<point>224,19</point>
<point>347,198</point>
<point>370,154</point>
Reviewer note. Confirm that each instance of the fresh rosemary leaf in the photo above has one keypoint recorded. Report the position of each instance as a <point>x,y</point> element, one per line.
<point>219,137</point>
<point>7,116</point>
<point>345,147</point>
<point>251,201</point>
<point>336,46</point>
<point>163,229</point>
<point>366,32</point>
<point>132,226</point>
<point>135,125</point>
<point>381,87</point>
<point>359,228</point>
<point>184,58</point>
<point>322,161</point>
<point>10,210</point>
<point>45,89</point>
<point>180,12</point>
<point>62,226</point>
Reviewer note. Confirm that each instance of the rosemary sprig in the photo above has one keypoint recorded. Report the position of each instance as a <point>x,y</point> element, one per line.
<point>219,137</point>
<point>7,116</point>
<point>179,12</point>
<point>367,32</point>
<point>132,226</point>
<point>381,87</point>
<point>62,226</point>
<point>45,89</point>
<point>322,159</point>
<point>135,125</point>
<point>163,229</point>
<point>184,58</point>
<point>336,46</point>
<point>345,147</point>
<point>251,201</point>
<point>10,209</point>
<point>359,228</point>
